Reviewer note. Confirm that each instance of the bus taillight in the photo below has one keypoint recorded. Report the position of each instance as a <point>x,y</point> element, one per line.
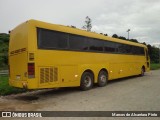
<point>31,70</point>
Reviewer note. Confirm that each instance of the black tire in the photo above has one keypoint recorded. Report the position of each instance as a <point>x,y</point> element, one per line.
<point>142,71</point>
<point>102,79</point>
<point>86,81</point>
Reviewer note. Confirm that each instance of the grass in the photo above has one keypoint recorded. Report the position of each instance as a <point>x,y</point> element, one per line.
<point>5,89</point>
<point>155,66</point>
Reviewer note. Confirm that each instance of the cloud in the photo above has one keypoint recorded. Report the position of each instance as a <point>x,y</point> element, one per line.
<point>108,16</point>
<point>142,17</point>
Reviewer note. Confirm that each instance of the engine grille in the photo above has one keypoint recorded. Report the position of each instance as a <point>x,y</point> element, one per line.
<point>49,74</point>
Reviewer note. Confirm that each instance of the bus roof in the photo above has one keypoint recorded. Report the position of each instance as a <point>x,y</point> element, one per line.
<point>76,31</point>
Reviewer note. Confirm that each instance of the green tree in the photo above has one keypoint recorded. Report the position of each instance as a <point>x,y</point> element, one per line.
<point>4,37</point>
<point>153,53</point>
<point>121,37</point>
<point>72,26</point>
<point>88,24</point>
<point>4,43</point>
<point>105,34</point>
<point>115,36</point>
<point>133,40</point>
<point>143,43</point>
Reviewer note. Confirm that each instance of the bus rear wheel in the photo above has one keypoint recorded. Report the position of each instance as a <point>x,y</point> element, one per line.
<point>86,81</point>
<point>102,78</point>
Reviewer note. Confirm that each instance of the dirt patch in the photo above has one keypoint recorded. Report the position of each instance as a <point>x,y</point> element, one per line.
<point>27,98</point>
<point>23,101</point>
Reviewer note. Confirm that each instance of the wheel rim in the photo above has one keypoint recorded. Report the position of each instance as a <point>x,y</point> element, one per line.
<point>103,78</point>
<point>87,81</point>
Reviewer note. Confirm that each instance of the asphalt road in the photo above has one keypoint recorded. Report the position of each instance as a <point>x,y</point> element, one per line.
<point>127,94</point>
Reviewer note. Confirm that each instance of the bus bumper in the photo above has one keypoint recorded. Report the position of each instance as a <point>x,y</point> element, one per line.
<point>23,84</point>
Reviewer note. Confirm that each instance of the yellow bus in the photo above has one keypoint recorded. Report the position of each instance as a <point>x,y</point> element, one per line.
<point>44,55</point>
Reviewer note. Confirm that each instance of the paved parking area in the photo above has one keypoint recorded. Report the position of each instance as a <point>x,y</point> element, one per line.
<point>128,94</point>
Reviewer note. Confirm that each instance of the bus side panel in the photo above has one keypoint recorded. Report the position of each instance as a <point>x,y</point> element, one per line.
<point>126,67</point>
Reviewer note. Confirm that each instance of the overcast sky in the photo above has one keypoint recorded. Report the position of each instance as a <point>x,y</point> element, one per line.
<point>108,16</point>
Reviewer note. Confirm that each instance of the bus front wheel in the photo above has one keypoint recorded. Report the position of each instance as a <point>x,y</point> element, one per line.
<point>86,81</point>
<point>102,78</point>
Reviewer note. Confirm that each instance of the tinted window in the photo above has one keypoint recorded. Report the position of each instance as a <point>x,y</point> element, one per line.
<point>52,39</point>
<point>142,51</point>
<point>78,42</point>
<point>110,46</point>
<point>137,50</point>
<point>121,48</point>
<point>49,39</point>
<point>128,49</point>
<point>125,49</point>
<point>95,45</point>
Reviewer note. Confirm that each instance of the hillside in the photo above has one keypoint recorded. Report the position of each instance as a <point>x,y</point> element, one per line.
<point>4,40</point>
